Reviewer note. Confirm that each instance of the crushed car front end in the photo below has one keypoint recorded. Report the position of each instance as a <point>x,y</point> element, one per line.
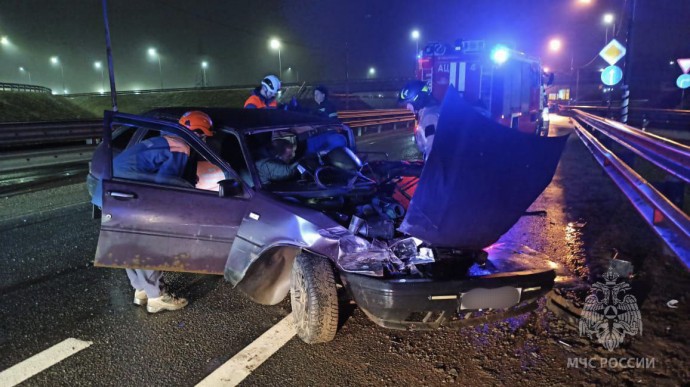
<point>455,293</point>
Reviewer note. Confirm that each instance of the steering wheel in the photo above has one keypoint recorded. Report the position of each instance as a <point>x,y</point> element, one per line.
<point>319,177</point>
<point>348,179</point>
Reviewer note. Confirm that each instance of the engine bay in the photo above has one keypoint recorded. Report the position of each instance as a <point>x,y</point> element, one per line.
<point>370,200</point>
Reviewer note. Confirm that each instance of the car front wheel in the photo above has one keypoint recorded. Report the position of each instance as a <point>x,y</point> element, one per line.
<point>314,299</point>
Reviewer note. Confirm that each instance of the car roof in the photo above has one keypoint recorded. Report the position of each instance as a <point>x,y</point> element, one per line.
<point>243,119</point>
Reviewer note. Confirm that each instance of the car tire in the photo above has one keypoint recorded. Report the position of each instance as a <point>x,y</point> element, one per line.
<point>314,299</point>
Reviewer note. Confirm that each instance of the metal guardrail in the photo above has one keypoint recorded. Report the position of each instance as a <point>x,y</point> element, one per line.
<point>39,133</point>
<point>673,119</point>
<point>363,118</point>
<point>666,154</point>
<point>24,88</point>
<point>172,90</point>
<point>16,161</point>
<point>614,108</point>
<point>32,133</point>
<point>387,84</point>
<point>665,218</point>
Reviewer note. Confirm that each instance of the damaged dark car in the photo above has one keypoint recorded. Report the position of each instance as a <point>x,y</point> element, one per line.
<point>413,244</point>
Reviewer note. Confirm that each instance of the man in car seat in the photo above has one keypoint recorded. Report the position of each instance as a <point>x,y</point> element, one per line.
<point>161,159</point>
<point>277,167</point>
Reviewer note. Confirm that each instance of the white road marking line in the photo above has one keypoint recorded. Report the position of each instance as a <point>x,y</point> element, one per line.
<point>235,370</point>
<point>41,361</point>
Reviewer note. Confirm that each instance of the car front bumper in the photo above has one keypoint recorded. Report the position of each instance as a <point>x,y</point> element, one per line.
<point>421,304</point>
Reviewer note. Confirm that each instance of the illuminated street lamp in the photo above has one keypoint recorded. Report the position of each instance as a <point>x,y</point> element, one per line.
<point>372,72</point>
<point>204,66</point>
<point>608,20</point>
<point>415,36</point>
<point>4,41</point>
<point>555,45</point>
<point>584,2</point>
<point>55,61</point>
<point>23,70</point>
<point>154,54</point>
<point>99,66</point>
<point>275,45</point>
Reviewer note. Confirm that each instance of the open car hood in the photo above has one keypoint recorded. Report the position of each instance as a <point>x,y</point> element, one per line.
<point>479,178</point>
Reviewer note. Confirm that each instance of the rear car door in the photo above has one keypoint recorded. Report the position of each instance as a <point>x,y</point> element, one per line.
<point>168,227</point>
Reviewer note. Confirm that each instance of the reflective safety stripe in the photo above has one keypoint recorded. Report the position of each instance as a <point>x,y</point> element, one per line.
<point>461,76</point>
<point>454,74</point>
<point>255,101</point>
<point>457,75</point>
<point>258,103</point>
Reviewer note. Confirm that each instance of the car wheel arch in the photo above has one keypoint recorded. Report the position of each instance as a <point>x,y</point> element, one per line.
<point>267,279</point>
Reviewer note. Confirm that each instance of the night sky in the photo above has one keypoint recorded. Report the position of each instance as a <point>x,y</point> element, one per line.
<point>233,37</point>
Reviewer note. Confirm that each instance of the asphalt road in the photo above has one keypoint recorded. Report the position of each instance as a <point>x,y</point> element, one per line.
<point>49,292</point>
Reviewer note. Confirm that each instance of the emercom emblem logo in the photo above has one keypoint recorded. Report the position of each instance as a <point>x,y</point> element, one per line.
<point>610,313</point>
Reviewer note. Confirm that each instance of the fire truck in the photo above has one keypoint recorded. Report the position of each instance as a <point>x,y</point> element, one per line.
<point>504,83</point>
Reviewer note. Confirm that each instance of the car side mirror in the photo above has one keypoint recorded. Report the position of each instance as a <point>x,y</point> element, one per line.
<point>229,187</point>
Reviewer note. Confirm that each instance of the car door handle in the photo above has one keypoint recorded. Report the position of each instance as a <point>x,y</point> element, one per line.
<point>122,195</point>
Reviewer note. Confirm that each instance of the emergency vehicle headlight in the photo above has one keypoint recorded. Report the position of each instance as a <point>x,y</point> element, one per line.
<point>500,54</point>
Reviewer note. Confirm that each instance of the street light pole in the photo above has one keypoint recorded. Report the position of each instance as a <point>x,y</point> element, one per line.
<point>280,64</point>
<point>572,73</point>
<point>56,61</point>
<point>627,69</point>
<point>609,19</point>
<point>294,77</point>
<point>606,34</point>
<point>347,75</point>
<point>23,70</point>
<point>204,65</point>
<point>275,44</point>
<point>160,71</point>
<point>99,66</point>
<point>153,52</point>
<point>415,36</point>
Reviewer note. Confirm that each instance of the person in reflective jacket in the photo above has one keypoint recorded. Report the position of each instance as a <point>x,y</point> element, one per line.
<point>161,160</point>
<point>416,97</point>
<point>264,96</point>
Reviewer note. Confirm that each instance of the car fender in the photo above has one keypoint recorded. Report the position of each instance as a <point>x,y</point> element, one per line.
<point>270,236</point>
